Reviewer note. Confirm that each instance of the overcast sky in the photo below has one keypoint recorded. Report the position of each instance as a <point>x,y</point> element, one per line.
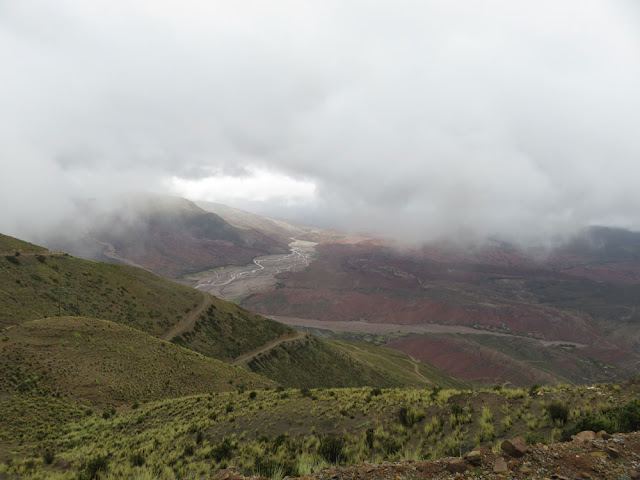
<point>418,119</point>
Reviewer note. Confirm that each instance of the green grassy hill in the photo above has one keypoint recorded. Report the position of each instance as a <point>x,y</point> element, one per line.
<point>333,363</point>
<point>46,285</point>
<point>102,362</point>
<point>11,245</point>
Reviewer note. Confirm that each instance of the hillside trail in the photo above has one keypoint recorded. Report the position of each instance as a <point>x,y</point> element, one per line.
<point>245,358</point>
<point>416,368</point>
<point>189,319</point>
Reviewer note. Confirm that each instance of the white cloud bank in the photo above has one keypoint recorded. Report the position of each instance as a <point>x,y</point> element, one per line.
<point>419,119</point>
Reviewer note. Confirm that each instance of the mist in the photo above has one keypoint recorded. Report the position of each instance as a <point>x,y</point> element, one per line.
<point>415,120</point>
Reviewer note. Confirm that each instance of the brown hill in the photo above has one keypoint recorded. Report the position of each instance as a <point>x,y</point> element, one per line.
<point>168,235</point>
<point>496,289</point>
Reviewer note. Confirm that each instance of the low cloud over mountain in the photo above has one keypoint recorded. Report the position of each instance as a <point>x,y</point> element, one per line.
<point>411,119</point>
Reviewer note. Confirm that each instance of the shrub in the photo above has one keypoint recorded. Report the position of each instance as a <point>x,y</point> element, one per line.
<point>137,459</point>
<point>558,411</point>
<point>305,392</point>
<point>331,448</point>
<point>223,451</point>
<point>48,457</point>
<point>41,258</point>
<point>456,409</point>
<point>375,392</point>
<point>189,450</point>
<point>93,467</point>
<point>629,416</point>
<point>252,395</point>
<point>13,259</point>
<point>409,417</point>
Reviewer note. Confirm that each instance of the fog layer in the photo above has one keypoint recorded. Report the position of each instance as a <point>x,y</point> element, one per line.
<point>412,119</point>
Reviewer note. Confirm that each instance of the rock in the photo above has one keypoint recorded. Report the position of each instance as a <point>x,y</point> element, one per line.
<point>474,457</point>
<point>457,465</point>
<point>612,452</point>
<point>526,470</point>
<point>516,447</point>
<point>599,454</point>
<point>584,436</point>
<point>500,466</point>
<point>633,475</point>
<point>603,435</point>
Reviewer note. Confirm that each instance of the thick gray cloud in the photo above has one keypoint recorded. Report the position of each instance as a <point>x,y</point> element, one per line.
<point>415,118</point>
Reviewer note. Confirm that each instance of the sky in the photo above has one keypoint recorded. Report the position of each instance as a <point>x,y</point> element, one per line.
<point>414,119</point>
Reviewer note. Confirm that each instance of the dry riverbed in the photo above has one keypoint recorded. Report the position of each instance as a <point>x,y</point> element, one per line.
<point>233,282</point>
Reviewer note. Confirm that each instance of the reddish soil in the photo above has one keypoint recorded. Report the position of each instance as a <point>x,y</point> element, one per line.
<point>473,362</point>
<point>497,288</point>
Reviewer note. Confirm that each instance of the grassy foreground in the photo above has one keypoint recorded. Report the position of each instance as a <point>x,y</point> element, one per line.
<point>296,432</point>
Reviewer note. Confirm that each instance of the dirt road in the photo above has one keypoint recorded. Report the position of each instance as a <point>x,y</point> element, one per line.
<point>189,319</point>
<point>244,359</point>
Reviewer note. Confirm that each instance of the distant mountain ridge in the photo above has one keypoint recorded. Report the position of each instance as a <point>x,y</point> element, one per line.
<point>170,236</point>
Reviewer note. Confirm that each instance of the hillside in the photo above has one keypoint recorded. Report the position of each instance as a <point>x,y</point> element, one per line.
<point>35,286</point>
<point>298,432</point>
<point>497,290</point>
<point>168,235</point>
<point>11,246</point>
<point>104,363</point>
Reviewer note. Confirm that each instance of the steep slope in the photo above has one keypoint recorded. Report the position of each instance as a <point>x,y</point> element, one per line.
<point>168,235</point>
<point>33,286</point>
<point>43,285</point>
<point>105,363</point>
<point>11,245</point>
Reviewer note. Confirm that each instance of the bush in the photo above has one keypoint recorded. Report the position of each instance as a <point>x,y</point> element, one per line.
<point>13,259</point>
<point>629,416</point>
<point>223,451</point>
<point>93,467</point>
<point>558,411</point>
<point>409,417</point>
<point>305,392</point>
<point>48,457</point>
<point>331,448</point>
<point>252,395</point>
<point>137,459</point>
<point>622,419</point>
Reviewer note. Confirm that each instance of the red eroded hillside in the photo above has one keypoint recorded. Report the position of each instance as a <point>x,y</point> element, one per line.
<point>498,288</point>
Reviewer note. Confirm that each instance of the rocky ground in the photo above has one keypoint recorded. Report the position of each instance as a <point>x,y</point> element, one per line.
<point>588,456</point>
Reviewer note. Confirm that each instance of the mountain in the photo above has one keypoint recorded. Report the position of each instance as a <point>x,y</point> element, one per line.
<point>170,236</point>
<point>49,284</point>
<point>569,315</point>
<point>97,384</point>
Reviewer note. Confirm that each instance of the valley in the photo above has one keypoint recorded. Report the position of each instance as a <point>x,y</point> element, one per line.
<point>359,352</point>
<point>237,282</point>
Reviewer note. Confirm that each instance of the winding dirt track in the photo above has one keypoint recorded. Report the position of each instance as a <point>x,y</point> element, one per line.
<point>189,319</point>
<point>245,358</point>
